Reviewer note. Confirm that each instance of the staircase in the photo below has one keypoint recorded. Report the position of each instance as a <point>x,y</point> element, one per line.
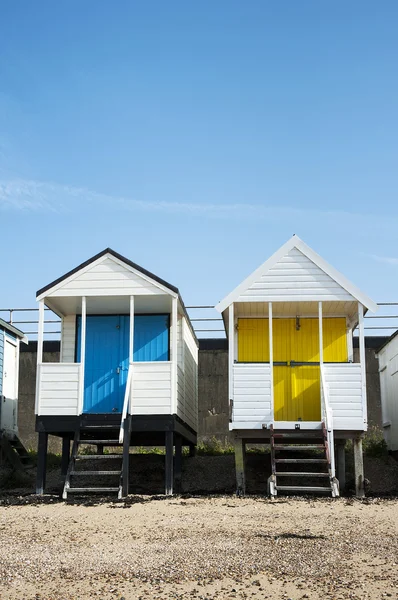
<point>104,472</point>
<point>14,453</point>
<point>301,464</point>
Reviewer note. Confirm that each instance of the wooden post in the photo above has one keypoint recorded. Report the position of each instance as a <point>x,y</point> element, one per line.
<point>169,443</point>
<point>362,360</point>
<point>100,448</point>
<point>82,353</point>
<point>65,454</point>
<point>231,358</point>
<point>131,353</point>
<point>178,463</point>
<point>174,346</point>
<point>271,357</point>
<point>240,464</point>
<point>40,337</point>
<point>340,451</point>
<point>126,457</point>
<point>320,317</point>
<point>358,468</point>
<point>192,450</point>
<point>41,463</point>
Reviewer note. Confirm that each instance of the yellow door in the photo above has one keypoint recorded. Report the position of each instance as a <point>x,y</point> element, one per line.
<point>296,386</point>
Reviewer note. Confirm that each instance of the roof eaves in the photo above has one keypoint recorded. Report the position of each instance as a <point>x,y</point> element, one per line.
<point>85,264</point>
<point>20,334</point>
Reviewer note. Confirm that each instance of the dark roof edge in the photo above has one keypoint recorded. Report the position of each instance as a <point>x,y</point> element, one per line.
<point>20,334</point>
<point>96,257</point>
<point>388,340</point>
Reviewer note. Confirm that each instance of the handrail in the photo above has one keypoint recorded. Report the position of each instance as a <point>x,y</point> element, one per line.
<point>126,402</point>
<point>327,415</point>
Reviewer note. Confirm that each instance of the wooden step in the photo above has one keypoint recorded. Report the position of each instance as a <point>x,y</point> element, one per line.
<point>99,427</point>
<point>298,474</point>
<point>293,448</point>
<point>97,456</point>
<point>92,490</point>
<point>101,442</point>
<point>318,435</point>
<point>297,488</point>
<point>301,460</point>
<point>95,472</point>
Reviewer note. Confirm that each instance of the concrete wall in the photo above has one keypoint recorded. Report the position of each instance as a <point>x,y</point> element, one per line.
<point>213,389</point>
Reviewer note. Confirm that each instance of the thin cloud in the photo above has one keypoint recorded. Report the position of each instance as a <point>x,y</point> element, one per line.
<point>388,260</point>
<point>38,196</point>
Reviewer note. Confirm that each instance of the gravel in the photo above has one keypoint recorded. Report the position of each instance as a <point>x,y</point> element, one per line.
<point>198,547</point>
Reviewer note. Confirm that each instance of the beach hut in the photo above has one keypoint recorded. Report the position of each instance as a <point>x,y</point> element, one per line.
<point>292,379</point>
<point>127,373</point>
<point>11,448</point>
<point>388,368</point>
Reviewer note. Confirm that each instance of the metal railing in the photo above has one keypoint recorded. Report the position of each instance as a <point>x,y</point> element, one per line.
<point>204,318</point>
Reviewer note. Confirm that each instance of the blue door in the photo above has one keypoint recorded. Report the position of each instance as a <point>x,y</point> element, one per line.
<point>107,355</point>
<point>106,365</point>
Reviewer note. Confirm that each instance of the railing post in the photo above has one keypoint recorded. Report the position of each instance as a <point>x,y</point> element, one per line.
<point>362,360</point>
<point>40,338</point>
<point>82,353</point>
<point>320,317</point>
<point>131,350</point>
<point>271,358</point>
<point>174,346</point>
<point>231,358</point>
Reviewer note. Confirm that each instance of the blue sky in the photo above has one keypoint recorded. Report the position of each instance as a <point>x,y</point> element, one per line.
<point>196,138</point>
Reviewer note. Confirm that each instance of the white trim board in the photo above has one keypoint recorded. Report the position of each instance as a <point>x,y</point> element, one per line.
<point>296,242</point>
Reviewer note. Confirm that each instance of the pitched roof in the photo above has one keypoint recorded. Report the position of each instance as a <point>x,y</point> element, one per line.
<point>129,263</point>
<point>17,332</point>
<point>100,255</point>
<point>296,242</point>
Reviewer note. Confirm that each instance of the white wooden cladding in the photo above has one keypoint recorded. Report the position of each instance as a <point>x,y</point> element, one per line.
<point>108,278</point>
<point>344,386</point>
<point>59,389</point>
<point>295,278</point>
<point>68,337</point>
<point>187,378</point>
<point>151,393</point>
<point>252,405</point>
<point>388,364</point>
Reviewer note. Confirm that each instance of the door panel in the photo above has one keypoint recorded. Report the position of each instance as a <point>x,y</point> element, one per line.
<point>107,351</point>
<point>151,338</point>
<point>253,340</point>
<point>9,402</point>
<point>335,340</point>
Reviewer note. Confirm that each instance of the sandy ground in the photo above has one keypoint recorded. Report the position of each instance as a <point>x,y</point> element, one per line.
<point>199,548</point>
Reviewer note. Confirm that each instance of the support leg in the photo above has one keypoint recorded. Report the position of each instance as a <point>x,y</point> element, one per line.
<point>169,443</point>
<point>358,466</point>
<point>100,448</point>
<point>41,463</point>
<point>340,462</point>
<point>65,454</point>
<point>240,460</point>
<point>177,463</point>
<point>126,459</point>
<point>192,450</point>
